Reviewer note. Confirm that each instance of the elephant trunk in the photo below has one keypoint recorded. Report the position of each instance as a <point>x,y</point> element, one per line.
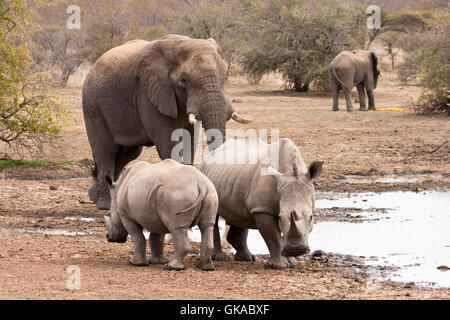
<point>212,109</point>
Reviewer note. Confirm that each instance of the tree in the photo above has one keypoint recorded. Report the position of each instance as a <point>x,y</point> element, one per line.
<point>219,20</point>
<point>300,40</point>
<point>26,111</point>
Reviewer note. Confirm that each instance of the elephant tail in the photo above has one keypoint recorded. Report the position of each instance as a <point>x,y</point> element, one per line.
<point>337,78</point>
<point>201,196</point>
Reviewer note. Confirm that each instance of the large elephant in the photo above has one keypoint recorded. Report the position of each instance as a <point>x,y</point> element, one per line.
<point>138,93</point>
<point>350,68</point>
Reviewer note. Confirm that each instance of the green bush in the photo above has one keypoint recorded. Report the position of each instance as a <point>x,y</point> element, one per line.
<point>27,113</point>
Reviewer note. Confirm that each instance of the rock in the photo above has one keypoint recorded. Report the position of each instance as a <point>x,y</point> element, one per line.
<point>409,285</point>
<point>443,268</point>
<point>53,188</point>
<point>238,100</point>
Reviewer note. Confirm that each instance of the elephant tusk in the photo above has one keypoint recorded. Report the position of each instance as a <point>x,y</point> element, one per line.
<point>238,118</point>
<point>192,119</point>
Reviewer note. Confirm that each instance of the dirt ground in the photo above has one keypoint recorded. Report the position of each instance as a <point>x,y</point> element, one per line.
<point>34,264</point>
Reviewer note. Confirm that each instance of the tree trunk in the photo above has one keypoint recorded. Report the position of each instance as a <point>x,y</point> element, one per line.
<point>300,87</point>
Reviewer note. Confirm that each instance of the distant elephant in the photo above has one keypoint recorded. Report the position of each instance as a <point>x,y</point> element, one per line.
<point>350,68</point>
<point>138,93</point>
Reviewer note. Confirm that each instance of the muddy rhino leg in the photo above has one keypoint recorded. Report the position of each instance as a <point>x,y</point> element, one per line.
<point>237,237</point>
<point>181,247</point>
<point>137,236</point>
<point>218,253</point>
<point>157,249</point>
<point>268,227</point>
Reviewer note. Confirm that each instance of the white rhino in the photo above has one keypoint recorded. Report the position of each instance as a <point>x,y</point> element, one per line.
<point>162,198</point>
<point>253,195</point>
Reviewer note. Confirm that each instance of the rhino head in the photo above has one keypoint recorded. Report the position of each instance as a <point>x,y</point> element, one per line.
<point>296,201</point>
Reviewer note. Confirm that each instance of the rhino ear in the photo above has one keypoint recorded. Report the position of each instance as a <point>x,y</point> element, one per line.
<point>315,169</point>
<point>109,181</point>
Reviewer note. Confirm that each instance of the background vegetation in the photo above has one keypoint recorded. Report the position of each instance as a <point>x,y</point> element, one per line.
<point>294,38</point>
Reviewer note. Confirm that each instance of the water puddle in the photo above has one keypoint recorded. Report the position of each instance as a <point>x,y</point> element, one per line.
<point>415,238</point>
<point>405,233</point>
<point>48,231</point>
<point>391,178</point>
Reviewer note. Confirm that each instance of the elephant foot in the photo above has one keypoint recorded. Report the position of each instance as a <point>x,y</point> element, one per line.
<point>372,108</point>
<point>219,256</point>
<point>244,256</point>
<point>350,109</point>
<point>205,266</point>
<point>161,259</point>
<point>99,194</point>
<point>278,264</point>
<point>292,262</point>
<point>138,261</point>
<point>174,265</point>
<point>335,109</point>
<point>362,109</point>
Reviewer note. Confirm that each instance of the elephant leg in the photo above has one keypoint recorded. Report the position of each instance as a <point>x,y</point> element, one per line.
<point>362,97</point>
<point>123,156</point>
<point>268,227</point>
<point>335,88</point>
<point>181,247</point>
<point>348,99</point>
<point>371,99</point>
<point>217,253</point>
<point>157,249</point>
<point>237,237</point>
<point>104,153</point>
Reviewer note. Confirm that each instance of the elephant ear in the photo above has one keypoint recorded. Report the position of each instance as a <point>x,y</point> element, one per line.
<point>154,76</point>
<point>218,47</point>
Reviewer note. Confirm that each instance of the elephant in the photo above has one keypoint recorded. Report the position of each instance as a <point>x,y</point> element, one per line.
<point>350,68</point>
<point>163,197</point>
<point>138,93</point>
<point>254,195</point>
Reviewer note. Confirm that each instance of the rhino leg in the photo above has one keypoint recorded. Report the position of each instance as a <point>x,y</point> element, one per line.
<point>237,237</point>
<point>268,227</point>
<point>137,236</point>
<point>181,247</point>
<point>206,248</point>
<point>157,249</point>
<point>217,253</point>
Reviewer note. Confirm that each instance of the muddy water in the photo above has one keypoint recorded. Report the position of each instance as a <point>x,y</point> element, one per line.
<point>410,234</point>
<point>392,178</point>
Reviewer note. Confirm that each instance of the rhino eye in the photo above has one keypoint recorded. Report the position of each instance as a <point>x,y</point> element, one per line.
<point>311,218</point>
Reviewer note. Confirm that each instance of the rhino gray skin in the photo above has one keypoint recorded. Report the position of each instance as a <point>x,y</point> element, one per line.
<point>253,195</point>
<point>162,198</point>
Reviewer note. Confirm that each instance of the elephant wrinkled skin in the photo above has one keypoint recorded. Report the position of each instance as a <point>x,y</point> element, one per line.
<point>138,93</point>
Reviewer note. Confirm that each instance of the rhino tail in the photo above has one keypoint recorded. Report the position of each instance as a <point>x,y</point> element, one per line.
<point>201,196</point>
